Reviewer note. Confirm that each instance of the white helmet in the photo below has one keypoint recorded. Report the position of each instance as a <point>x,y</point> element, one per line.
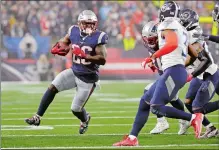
<point>149,34</point>
<point>87,21</point>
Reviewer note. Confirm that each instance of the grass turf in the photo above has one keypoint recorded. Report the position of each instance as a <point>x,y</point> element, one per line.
<point>113,109</point>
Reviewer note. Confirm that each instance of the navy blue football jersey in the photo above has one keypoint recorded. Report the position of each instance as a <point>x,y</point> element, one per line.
<point>83,69</point>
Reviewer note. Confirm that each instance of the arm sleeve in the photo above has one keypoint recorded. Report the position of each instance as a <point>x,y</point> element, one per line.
<point>214,38</point>
<point>205,63</point>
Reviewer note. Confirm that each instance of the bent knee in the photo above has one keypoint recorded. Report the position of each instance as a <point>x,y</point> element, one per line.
<point>76,108</point>
<point>53,88</point>
<point>155,109</point>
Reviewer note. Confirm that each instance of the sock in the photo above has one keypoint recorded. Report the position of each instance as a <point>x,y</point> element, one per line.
<point>132,137</point>
<point>81,115</point>
<point>45,101</point>
<point>171,112</point>
<point>189,107</point>
<point>178,104</point>
<point>193,117</point>
<point>140,118</point>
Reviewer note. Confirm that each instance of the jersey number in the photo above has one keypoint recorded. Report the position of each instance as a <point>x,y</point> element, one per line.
<point>79,60</point>
<point>185,39</point>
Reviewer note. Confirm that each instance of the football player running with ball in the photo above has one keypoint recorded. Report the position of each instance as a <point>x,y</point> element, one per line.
<point>89,51</point>
<point>173,45</point>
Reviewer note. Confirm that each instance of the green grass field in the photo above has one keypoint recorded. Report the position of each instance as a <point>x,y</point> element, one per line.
<point>113,109</point>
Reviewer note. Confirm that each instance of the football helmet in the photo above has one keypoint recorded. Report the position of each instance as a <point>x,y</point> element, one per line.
<point>87,21</point>
<point>169,9</point>
<point>215,13</point>
<point>149,34</point>
<point>189,19</point>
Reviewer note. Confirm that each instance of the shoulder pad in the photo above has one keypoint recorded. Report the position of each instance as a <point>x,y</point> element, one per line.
<point>103,38</point>
<point>70,29</point>
<point>192,39</point>
<point>169,23</point>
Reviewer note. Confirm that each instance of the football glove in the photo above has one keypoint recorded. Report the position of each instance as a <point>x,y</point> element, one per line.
<point>78,52</point>
<point>59,50</point>
<point>146,61</point>
<point>189,78</point>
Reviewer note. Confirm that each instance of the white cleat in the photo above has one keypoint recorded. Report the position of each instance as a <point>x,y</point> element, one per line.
<point>210,132</point>
<point>161,126</point>
<point>183,127</point>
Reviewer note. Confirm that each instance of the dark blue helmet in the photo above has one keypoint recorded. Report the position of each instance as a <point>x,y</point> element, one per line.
<point>169,9</point>
<point>215,13</point>
<point>189,19</point>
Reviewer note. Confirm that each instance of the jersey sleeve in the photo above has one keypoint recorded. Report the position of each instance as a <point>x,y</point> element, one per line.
<point>103,38</point>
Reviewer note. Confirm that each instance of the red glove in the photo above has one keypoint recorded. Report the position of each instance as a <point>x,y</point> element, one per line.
<point>146,61</point>
<point>153,68</point>
<point>78,52</point>
<point>189,78</point>
<point>59,50</point>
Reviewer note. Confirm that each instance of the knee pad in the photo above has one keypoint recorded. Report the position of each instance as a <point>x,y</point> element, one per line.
<point>76,108</point>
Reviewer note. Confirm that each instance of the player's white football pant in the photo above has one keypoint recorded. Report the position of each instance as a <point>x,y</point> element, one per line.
<point>183,126</point>
<point>161,126</point>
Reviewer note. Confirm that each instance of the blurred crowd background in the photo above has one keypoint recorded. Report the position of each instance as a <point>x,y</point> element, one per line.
<point>122,20</point>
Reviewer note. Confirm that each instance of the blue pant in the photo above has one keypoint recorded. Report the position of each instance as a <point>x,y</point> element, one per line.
<point>206,90</point>
<point>167,86</point>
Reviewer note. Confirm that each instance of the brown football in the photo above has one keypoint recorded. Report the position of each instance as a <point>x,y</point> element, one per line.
<point>64,46</point>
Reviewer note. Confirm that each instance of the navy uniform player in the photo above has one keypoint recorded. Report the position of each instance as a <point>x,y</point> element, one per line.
<point>150,39</point>
<point>205,76</point>
<point>89,51</point>
<point>173,44</point>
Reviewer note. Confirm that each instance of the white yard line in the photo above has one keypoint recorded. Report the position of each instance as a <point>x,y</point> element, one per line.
<point>72,135</point>
<point>100,117</point>
<point>69,112</point>
<point>112,147</point>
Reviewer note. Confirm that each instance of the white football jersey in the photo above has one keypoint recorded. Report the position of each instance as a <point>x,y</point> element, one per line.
<point>178,56</point>
<point>213,67</point>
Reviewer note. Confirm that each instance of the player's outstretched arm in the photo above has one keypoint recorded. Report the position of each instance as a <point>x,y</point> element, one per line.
<point>207,37</point>
<point>170,45</point>
<point>100,57</point>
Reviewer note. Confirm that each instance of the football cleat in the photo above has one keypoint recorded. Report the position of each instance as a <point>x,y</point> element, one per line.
<point>161,126</point>
<point>183,126</point>
<point>210,132</point>
<point>197,124</point>
<point>84,125</point>
<point>127,142</point>
<point>35,120</point>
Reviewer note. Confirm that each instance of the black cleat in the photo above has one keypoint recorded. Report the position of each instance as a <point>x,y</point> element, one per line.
<point>35,120</point>
<point>84,125</point>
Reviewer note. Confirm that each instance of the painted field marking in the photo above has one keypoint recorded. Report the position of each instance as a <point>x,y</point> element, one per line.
<point>26,128</point>
<point>68,112</point>
<point>112,147</point>
<point>107,117</point>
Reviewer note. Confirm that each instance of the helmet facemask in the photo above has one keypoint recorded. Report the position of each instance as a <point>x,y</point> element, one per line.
<point>150,41</point>
<point>88,27</point>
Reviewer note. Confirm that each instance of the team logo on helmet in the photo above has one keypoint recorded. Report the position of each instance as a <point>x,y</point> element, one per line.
<point>186,15</point>
<point>166,7</point>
